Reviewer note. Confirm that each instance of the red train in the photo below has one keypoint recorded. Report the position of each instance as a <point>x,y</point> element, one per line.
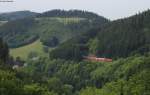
<point>97,59</point>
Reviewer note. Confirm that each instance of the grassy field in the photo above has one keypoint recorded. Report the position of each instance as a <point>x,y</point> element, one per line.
<point>63,20</point>
<point>69,20</point>
<point>24,51</point>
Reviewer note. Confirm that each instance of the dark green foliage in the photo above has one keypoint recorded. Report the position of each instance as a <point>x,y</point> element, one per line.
<point>122,37</point>
<point>119,77</point>
<point>51,42</point>
<point>75,48</point>
<point>4,52</point>
<point>71,13</point>
<point>9,84</point>
<point>137,85</point>
<point>17,15</point>
<point>16,33</point>
<point>68,52</point>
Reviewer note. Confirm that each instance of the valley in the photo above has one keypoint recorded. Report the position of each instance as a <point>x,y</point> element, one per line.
<point>74,52</point>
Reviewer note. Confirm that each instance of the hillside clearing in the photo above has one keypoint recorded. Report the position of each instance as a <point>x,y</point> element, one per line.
<point>24,51</point>
<point>63,20</point>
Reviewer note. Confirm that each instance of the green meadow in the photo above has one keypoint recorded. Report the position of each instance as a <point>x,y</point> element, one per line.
<point>24,51</point>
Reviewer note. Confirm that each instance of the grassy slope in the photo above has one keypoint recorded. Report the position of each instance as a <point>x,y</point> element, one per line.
<point>62,20</point>
<point>25,50</point>
<point>69,20</point>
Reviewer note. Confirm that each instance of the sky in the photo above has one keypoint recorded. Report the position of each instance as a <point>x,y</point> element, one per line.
<point>111,9</point>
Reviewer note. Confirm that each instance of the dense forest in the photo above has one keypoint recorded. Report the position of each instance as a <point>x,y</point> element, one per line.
<point>15,33</point>
<point>129,76</point>
<point>119,38</point>
<point>17,15</point>
<point>125,36</point>
<point>68,36</point>
<point>4,51</point>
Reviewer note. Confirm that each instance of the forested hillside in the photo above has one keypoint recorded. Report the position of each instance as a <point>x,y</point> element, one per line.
<point>4,51</point>
<point>119,38</point>
<point>50,29</point>
<point>15,33</point>
<point>16,15</point>
<point>70,13</point>
<point>125,36</point>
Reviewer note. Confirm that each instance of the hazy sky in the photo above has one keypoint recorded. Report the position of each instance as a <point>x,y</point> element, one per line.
<point>112,9</point>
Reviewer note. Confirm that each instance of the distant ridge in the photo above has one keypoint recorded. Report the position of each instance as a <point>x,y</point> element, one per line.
<point>69,13</point>
<point>17,15</point>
